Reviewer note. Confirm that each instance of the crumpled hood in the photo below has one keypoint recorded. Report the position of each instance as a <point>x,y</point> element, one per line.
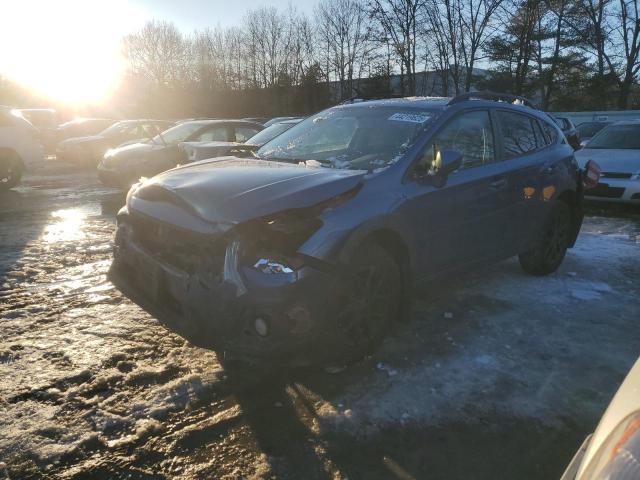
<point>232,190</point>
<point>623,161</point>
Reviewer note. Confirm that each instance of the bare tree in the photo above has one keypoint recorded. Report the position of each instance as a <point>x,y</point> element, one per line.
<point>475,17</point>
<point>158,52</point>
<point>399,21</point>
<point>343,28</point>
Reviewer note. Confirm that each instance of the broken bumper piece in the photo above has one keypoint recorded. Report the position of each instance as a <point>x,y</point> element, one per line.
<point>239,310</point>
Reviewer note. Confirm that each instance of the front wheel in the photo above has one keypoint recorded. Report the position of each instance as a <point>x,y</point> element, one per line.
<point>10,170</point>
<point>369,300</point>
<point>550,248</point>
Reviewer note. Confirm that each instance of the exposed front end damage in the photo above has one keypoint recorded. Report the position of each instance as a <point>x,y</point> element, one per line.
<point>241,289</point>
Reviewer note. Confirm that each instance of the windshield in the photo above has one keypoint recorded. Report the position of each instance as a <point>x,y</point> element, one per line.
<point>587,130</point>
<point>269,133</point>
<point>620,137</point>
<point>177,134</point>
<point>356,138</point>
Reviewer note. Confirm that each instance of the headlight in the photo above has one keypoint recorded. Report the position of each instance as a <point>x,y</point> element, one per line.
<point>619,456</point>
<point>635,176</point>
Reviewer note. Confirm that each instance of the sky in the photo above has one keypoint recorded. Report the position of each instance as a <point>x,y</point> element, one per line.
<point>197,14</point>
<point>70,50</point>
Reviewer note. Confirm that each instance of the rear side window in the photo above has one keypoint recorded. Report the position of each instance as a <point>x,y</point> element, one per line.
<point>541,138</point>
<point>550,132</point>
<point>518,134</point>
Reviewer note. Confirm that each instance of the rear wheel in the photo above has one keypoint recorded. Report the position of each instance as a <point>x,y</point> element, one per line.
<point>369,300</point>
<point>550,248</point>
<point>10,170</point>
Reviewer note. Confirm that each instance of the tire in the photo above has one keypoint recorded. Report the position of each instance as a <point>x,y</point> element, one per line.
<point>10,170</point>
<point>368,301</point>
<point>551,246</point>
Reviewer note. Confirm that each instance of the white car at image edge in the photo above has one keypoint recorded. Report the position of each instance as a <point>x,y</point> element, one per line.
<point>616,149</point>
<point>20,147</point>
<point>612,452</point>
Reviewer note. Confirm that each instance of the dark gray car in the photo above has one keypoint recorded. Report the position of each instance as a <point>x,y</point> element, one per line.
<point>308,251</point>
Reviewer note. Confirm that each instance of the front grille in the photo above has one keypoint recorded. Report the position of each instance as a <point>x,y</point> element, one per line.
<point>187,251</point>
<point>615,175</point>
<point>605,191</point>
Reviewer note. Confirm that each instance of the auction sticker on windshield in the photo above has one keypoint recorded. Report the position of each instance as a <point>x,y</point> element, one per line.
<point>409,117</point>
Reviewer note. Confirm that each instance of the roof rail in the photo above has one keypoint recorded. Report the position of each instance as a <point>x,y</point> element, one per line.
<point>496,97</point>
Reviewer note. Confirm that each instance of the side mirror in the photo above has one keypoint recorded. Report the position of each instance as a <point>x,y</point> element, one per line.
<point>447,161</point>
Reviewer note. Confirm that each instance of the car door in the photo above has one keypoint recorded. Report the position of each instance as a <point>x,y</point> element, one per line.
<point>460,222</point>
<point>528,163</point>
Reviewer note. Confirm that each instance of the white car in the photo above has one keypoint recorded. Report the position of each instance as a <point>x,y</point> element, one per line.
<point>20,147</point>
<point>613,451</point>
<point>616,149</point>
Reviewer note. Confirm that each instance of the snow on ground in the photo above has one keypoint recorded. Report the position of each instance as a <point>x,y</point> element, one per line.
<point>93,387</point>
<point>496,368</point>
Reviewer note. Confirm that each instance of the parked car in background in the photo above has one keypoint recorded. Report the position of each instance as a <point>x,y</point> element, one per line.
<point>20,147</point>
<point>46,121</point>
<point>616,148</point>
<point>270,122</point>
<point>612,452</point>
<point>123,166</point>
<point>41,118</point>
<point>81,127</point>
<point>308,251</point>
<point>569,131</point>
<point>587,130</point>
<point>201,150</point>
<point>89,150</point>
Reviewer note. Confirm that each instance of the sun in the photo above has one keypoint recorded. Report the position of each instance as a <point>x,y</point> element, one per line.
<point>67,50</point>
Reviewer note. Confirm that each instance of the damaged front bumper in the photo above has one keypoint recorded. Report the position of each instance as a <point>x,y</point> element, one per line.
<point>215,302</point>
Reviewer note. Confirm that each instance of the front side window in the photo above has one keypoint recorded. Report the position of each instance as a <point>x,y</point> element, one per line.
<point>468,133</point>
<point>351,137</point>
<point>518,135</point>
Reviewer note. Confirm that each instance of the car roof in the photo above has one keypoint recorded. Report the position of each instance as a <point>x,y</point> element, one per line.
<point>442,103</point>
<point>405,102</point>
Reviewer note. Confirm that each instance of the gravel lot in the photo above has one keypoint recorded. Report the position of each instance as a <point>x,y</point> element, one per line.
<point>498,375</point>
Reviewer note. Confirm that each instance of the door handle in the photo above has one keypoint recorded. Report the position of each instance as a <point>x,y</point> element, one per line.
<point>498,184</point>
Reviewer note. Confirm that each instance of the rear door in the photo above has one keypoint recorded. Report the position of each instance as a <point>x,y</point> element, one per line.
<point>528,162</point>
